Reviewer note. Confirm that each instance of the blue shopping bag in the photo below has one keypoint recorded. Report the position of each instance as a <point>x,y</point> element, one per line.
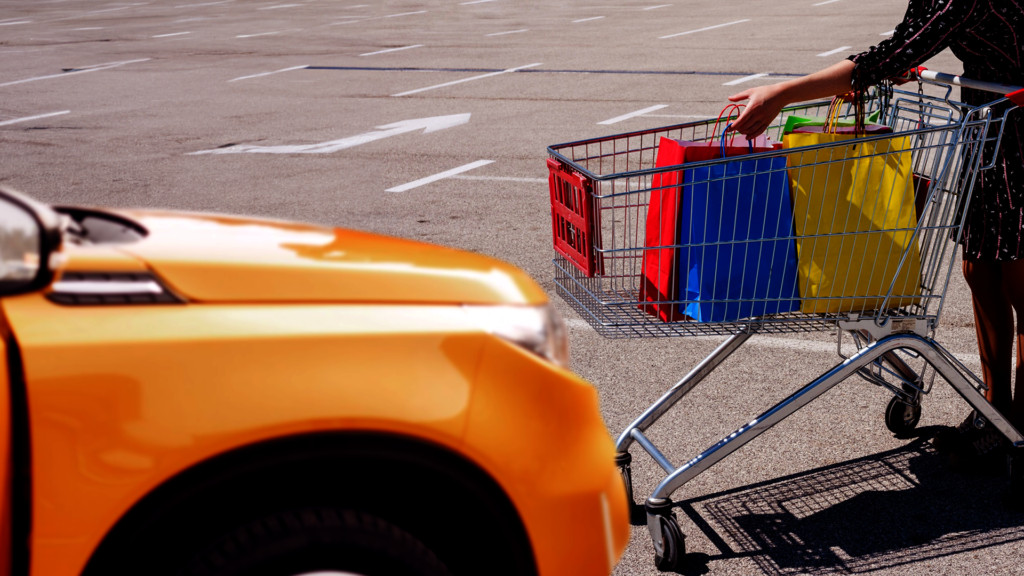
<point>737,256</point>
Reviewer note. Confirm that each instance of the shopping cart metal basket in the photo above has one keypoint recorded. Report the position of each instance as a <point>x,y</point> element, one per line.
<point>615,233</point>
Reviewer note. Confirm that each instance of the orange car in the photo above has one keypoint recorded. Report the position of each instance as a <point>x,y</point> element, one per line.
<point>197,394</point>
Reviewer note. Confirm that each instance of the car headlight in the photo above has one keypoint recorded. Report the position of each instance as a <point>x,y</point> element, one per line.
<point>539,329</point>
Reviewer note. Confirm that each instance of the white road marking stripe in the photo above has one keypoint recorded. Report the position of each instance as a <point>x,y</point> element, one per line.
<point>618,119</point>
<point>427,125</point>
<point>37,117</point>
<point>102,11</point>
<point>269,73</point>
<point>392,50</point>
<point>702,117</point>
<point>825,2</point>
<point>83,70</point>
<point>475,2</point>
<point>745,79</point>
<point>88,28</point>
<point>280,6</point>
<point>658,6</point>
<point>171,34</point>
<point>705,29</point>
<point>503,179</point>
<point>440,176</point>
<point>15,23</point>
<point>203,4</point>
<point>257,35</point>
<point>815,346</point>
<point>454,82</point>
<point>587,19</point>
<point>405,14</point>
<point>836,51</point>
<point>520,31</point>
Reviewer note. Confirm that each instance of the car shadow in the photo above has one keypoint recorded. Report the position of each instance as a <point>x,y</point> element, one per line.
<point>881,511</point>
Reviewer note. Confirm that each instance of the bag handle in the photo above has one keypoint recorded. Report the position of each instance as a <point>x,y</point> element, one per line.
<point>750,144</point>
<point>727,112</point>
<point>832,118</point>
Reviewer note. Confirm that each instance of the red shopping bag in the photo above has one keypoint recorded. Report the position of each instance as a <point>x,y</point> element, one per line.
<point>658,284</point>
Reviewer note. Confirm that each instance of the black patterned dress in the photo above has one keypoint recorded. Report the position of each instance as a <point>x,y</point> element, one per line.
<point>988,37</point>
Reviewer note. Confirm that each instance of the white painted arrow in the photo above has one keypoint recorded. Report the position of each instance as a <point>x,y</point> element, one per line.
<point>428,125</point>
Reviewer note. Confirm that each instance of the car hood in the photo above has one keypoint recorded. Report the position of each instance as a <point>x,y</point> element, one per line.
<point>216,258</point>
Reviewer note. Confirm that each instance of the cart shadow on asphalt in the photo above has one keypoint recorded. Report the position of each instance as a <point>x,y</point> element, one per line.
<point>881,511</point>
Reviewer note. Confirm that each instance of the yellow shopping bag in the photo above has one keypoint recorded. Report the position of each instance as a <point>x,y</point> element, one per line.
<point>854,218</point>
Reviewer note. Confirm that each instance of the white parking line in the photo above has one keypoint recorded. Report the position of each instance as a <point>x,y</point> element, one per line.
<point>279,6</point>
<point>203,4</point>
<point>37,117</point>
<point>520,31</point>
<point>618,119</point>
<point>745,79</point>
<point>587,19</point>
<point>825,2</point>
<point>405,14</point>
<point>171,34</point>
<point>454,82</point>
<point>392,50</point>
<point>82,70</point>
<point>697,116</point>
<point>503,179</point>
<point>658,6</point>
<point>779,343</point>
<point>474,2</point>
<point>258,34</point>
<point>15,23</point>
<point>269,73</point>
<point>440,176</point>
<point>836,51</point>
<point>704,29</point>
<point>84,14</point>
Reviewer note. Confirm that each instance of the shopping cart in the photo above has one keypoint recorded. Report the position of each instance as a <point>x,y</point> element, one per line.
<point>609,215</point>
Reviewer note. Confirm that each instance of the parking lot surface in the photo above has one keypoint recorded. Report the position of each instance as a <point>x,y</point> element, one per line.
<point>429,120</point>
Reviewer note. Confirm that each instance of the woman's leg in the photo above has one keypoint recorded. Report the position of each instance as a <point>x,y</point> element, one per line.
<point>993,320</point>
<point>1013,287</point>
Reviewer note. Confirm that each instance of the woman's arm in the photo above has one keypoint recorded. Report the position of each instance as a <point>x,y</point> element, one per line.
<point>765,102</point>
<point>927,28</point>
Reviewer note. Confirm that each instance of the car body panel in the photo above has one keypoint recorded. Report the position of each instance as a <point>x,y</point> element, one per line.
<point>552,461</point>
<point>285,330</point>
<point>120,410</point>
<point>6,468</point>
<point>223,259</point>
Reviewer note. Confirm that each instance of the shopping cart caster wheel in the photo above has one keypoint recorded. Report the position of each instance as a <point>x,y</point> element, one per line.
<point>623,460</point>
<point>901,418</point>
<point>673,544</point>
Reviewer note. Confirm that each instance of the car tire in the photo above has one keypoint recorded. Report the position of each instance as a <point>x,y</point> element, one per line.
<point>310,540</point>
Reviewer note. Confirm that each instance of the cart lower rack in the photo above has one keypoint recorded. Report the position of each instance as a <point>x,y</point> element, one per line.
<point>676,231</point>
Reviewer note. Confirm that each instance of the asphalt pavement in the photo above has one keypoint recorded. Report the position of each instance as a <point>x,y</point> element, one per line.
<point>430,120</point>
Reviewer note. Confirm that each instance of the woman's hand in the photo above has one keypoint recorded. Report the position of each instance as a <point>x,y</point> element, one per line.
<point>762,107</point>
<point>765,102</point>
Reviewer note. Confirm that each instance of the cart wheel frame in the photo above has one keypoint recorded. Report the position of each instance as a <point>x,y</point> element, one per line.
<point>623,460</point>
<point>668,539</point>
<point>901,417</point>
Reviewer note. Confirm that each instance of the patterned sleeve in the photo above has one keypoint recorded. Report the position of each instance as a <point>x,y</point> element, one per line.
<point>926,29</point>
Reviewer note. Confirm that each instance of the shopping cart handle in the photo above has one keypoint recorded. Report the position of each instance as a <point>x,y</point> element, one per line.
<point>1017,97</point>
<point>1014,94</point>
<point>908,76</point>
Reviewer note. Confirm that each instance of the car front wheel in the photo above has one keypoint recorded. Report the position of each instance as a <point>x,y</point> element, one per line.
<point>317,541</point>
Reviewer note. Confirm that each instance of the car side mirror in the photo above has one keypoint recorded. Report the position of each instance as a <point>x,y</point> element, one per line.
<point>29,235</point>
